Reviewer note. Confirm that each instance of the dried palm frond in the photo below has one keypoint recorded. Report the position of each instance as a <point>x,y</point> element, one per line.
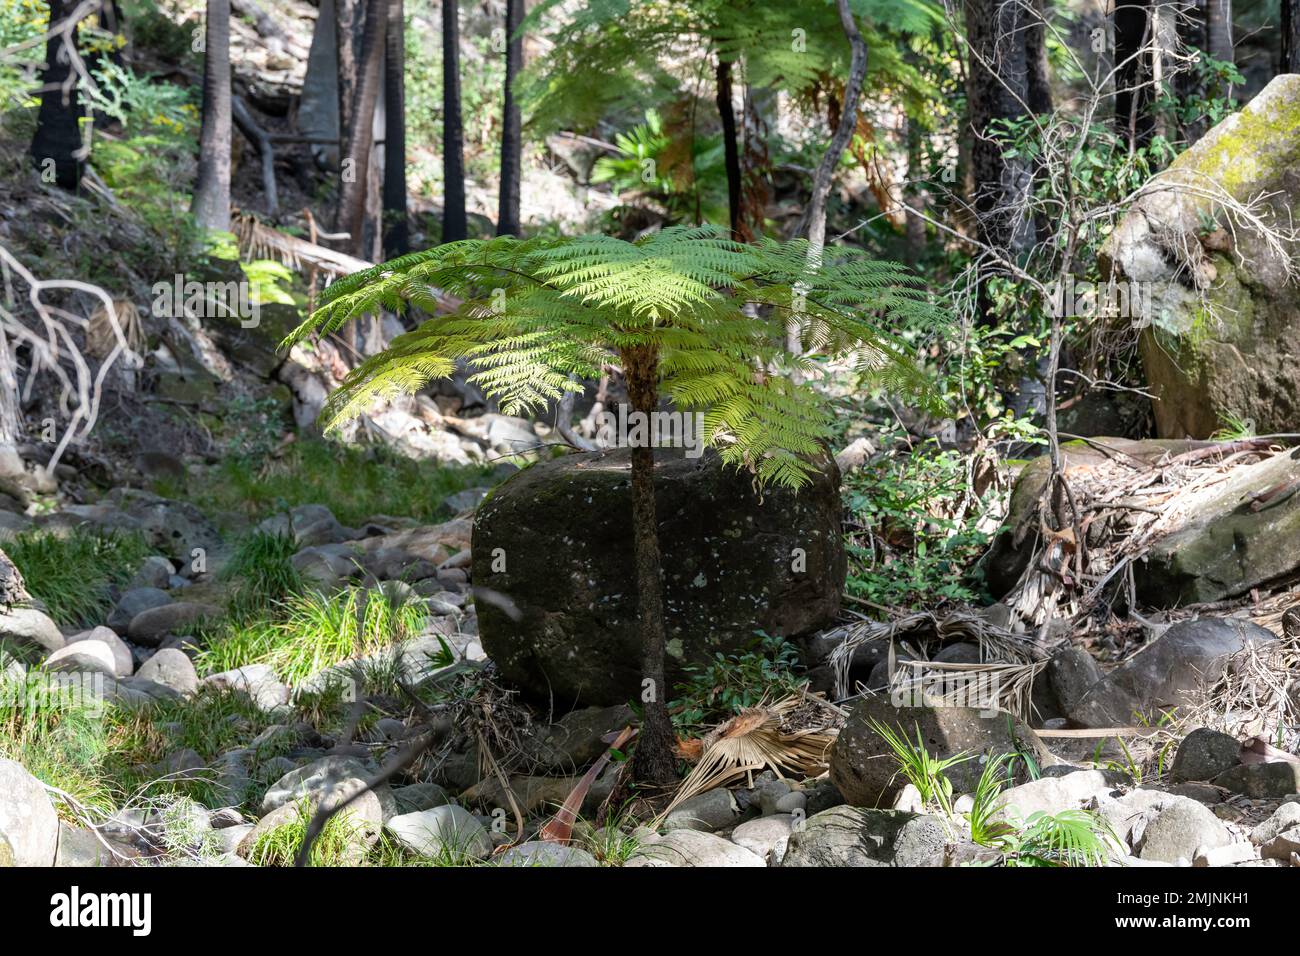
<point>102,332</point>
<point>997,685</point>
<point>758,738</point>
<point>997,644</point>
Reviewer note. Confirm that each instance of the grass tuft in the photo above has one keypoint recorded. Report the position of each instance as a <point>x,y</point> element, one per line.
<point>73,572</point>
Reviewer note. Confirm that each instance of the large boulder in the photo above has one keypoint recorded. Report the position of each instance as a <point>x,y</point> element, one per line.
<point>1168,672</point>
<point>552,549</point>
<point>29,827</point>
<point>1223,317</point>
<point>1222,547</point>
<point>863,767</point>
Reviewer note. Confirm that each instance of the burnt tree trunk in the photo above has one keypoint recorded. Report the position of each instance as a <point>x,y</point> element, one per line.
<point>730,146</point>
<point>454,224</point>
<point>56,147</point>
<point>1290,30</point>
<point>396,230</point>
<point>511,136</point>
<point>1133,40</point>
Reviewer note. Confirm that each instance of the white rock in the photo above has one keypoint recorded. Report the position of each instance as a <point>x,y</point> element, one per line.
<point>693,848</point>
<point>447,829</point>
<point>94,657</point>
<point>123,663</point>
<point>29,827</point>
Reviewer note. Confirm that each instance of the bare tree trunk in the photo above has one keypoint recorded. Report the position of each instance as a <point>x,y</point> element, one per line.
<point>211,203</point>
<point>57,146</point>
<point>396,231</point>
<point>997,89</point>
<point>654,762</point>
<point>511,136</point>
<point>358,135</point>
<point>1218,22</point>
<point>1133,94</point>
<point>1290,30</point>
<point>730,150</point>
<point>815,215</point>
<point>755,161</point>
<point>914,195</point>
<point>454,224</point>
<point>347,21</point>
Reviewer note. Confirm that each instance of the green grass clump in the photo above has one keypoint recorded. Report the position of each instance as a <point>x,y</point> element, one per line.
<point>61,739</point>
<point>335,845</point>
<point>919,767</point>
<point>314,631</point>
<point>73,572</point>
<point>354,483</point>
<point>260,573</point>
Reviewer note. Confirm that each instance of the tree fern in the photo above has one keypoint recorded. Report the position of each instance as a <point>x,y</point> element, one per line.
<point>537,313</point>
<point>687,312</point>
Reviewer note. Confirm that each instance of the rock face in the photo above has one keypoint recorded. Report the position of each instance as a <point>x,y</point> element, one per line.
<point>29,827</point>
<point>864,770</point>
<point>1165,672</point>
<point>1224,319</point>
<point>554,544</point>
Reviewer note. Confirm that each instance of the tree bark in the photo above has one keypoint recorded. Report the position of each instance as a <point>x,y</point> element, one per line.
<point>755,161</point>
<point>654,762</point>
<point>57,147</point>
<point>397,237</point>
<point>211,203</point>
<point>1218,23</point>
<point>358,135</point>
<point>511,137</point>
<point>454,224</point>
<point>730,146</point>
<point>1290,36</point>
<point>1133,34</point>
<point>347,21</point>
<point>997,89</point>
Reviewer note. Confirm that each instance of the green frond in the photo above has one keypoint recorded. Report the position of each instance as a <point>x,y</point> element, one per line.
<point>538,313</point>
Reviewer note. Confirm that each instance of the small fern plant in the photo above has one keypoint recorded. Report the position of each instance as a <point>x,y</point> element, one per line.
<point>689,315</point>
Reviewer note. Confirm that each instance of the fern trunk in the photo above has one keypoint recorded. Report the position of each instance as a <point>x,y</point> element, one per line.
<point>397,239</point>
<point>730,148</point>
<point>654,762</point>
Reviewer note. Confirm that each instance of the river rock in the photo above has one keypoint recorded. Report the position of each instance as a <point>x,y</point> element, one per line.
<point>1166,673</point>
<point>29,827</point>
<point>552,548</point>
<point>863,767</point>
